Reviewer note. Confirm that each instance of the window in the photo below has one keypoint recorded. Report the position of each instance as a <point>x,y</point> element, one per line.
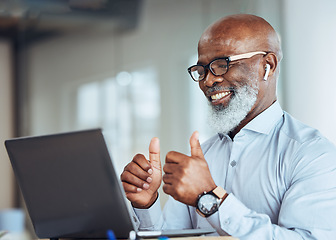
<point>127,107</point>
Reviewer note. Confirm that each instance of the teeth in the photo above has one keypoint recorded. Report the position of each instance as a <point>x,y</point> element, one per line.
<point>219,95</point>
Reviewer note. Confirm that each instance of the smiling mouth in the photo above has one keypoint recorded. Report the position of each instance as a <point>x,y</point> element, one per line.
<point>218,96</point>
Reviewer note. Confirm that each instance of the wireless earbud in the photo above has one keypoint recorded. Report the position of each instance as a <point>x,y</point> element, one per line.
<point>267,69</point>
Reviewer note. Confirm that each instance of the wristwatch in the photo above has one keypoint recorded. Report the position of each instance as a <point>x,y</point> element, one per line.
<point>209,202</point>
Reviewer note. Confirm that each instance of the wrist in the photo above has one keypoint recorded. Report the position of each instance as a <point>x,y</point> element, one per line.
<point>149,204</point>
<point>220,193</point>
<point>209,202</point>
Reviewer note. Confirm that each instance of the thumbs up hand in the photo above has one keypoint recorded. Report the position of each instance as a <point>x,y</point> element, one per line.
<point>186,177</point>
<point>141,178</point>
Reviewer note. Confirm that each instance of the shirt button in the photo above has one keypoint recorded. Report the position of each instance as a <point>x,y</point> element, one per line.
<point>233,163</point>
<point>226,221</point>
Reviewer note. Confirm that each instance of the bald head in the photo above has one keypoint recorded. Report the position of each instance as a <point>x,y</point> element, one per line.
<point>243,33</point>
<point>249,82</point>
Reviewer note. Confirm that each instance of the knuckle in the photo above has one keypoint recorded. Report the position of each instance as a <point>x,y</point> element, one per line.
<point>125,176</point>
<point>122,175</point>
<point>184,182</point>
<point>132,180</point>
<point>138,156</point>
<point>127,166</point>
<point>184,170</point>
<point>165,189</point>
<point>129,188</point>
<point>172,153</point>
<point>179,192</point>
<point>141,161</point>
<point>133,169</point>
<point>127,169</point>
<point>165,178</point>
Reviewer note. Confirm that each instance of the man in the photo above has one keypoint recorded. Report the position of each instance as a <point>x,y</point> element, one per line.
<point>265,175</point>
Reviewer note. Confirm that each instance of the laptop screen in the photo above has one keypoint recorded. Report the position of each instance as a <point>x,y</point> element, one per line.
<point>69,185</point>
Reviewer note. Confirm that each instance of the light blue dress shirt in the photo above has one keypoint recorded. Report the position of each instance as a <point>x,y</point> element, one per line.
<point>281,178</point>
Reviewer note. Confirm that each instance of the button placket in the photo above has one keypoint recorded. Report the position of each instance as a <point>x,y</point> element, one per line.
<point>238,144</point>
<point>231,167</point>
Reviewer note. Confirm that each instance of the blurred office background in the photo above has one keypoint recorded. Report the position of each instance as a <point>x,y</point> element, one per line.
<point>121,65</point>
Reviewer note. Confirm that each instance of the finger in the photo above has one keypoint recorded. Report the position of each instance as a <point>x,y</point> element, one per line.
<point>154,153</point>
<point>136,170</point>
<point>196,150</point>
<point>174,157</point>
<point>140,160</point>
<point>167,178</point>
<point>170,168</point>
<point>129,178</point>
<point>167,188</point>
<point>129,188</point>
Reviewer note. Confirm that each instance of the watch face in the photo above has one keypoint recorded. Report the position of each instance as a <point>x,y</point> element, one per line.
<point>208,204</point>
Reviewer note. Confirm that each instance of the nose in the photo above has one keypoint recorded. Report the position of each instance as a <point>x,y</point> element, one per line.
<point>210,79</point>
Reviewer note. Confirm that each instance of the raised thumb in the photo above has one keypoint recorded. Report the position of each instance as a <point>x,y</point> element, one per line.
<point>154,152</point>
<point>195,145</point>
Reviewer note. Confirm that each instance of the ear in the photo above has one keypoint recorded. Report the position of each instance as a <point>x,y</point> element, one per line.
<point>272,60</point>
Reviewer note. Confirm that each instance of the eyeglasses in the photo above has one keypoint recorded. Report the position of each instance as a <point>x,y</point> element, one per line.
<point>218,66</point>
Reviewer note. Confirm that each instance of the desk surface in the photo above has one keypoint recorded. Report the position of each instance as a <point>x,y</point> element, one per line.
<point>206,238</point>
<point>187,238</point>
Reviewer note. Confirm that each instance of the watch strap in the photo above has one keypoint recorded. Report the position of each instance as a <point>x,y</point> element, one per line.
<point>220,193</point>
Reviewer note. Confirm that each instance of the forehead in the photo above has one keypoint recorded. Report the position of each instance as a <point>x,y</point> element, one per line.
<point>228,37</point>
<point>212,47</point>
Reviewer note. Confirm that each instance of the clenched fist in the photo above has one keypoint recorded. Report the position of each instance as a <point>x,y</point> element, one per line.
<point>141,178</point>
<point>186,177</point>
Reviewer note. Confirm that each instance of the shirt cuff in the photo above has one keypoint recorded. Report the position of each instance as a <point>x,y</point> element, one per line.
<point>229,215</point>
<point>150,216</point>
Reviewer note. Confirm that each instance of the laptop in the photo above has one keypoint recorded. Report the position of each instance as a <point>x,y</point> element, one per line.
<point>71,188</point>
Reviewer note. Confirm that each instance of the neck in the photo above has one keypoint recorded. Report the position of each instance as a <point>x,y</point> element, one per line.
<point>250,116</point>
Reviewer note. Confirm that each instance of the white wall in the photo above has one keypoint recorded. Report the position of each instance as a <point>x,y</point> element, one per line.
<point>6,125</point>
<point>166,39</point>
<point>309,63</point>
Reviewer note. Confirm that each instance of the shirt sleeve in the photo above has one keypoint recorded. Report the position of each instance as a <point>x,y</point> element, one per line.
<point>174,216</point>
<point>151,218</point>
<point>308,207</point>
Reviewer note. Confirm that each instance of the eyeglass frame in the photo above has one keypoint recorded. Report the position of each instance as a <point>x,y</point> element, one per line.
<point>228,60</point>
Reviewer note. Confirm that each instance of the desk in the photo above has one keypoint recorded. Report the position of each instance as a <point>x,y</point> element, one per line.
<point>183,238</point>
<point>205,238</point>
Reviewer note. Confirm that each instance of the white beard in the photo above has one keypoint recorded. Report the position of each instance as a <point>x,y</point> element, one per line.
<point>225,119</point>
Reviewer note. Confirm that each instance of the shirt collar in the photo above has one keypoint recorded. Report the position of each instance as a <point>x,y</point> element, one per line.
<point>266,120</point>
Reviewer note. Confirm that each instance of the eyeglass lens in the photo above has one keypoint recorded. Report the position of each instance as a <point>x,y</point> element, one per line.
<point>217,67</point>
<point>197,72</point>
